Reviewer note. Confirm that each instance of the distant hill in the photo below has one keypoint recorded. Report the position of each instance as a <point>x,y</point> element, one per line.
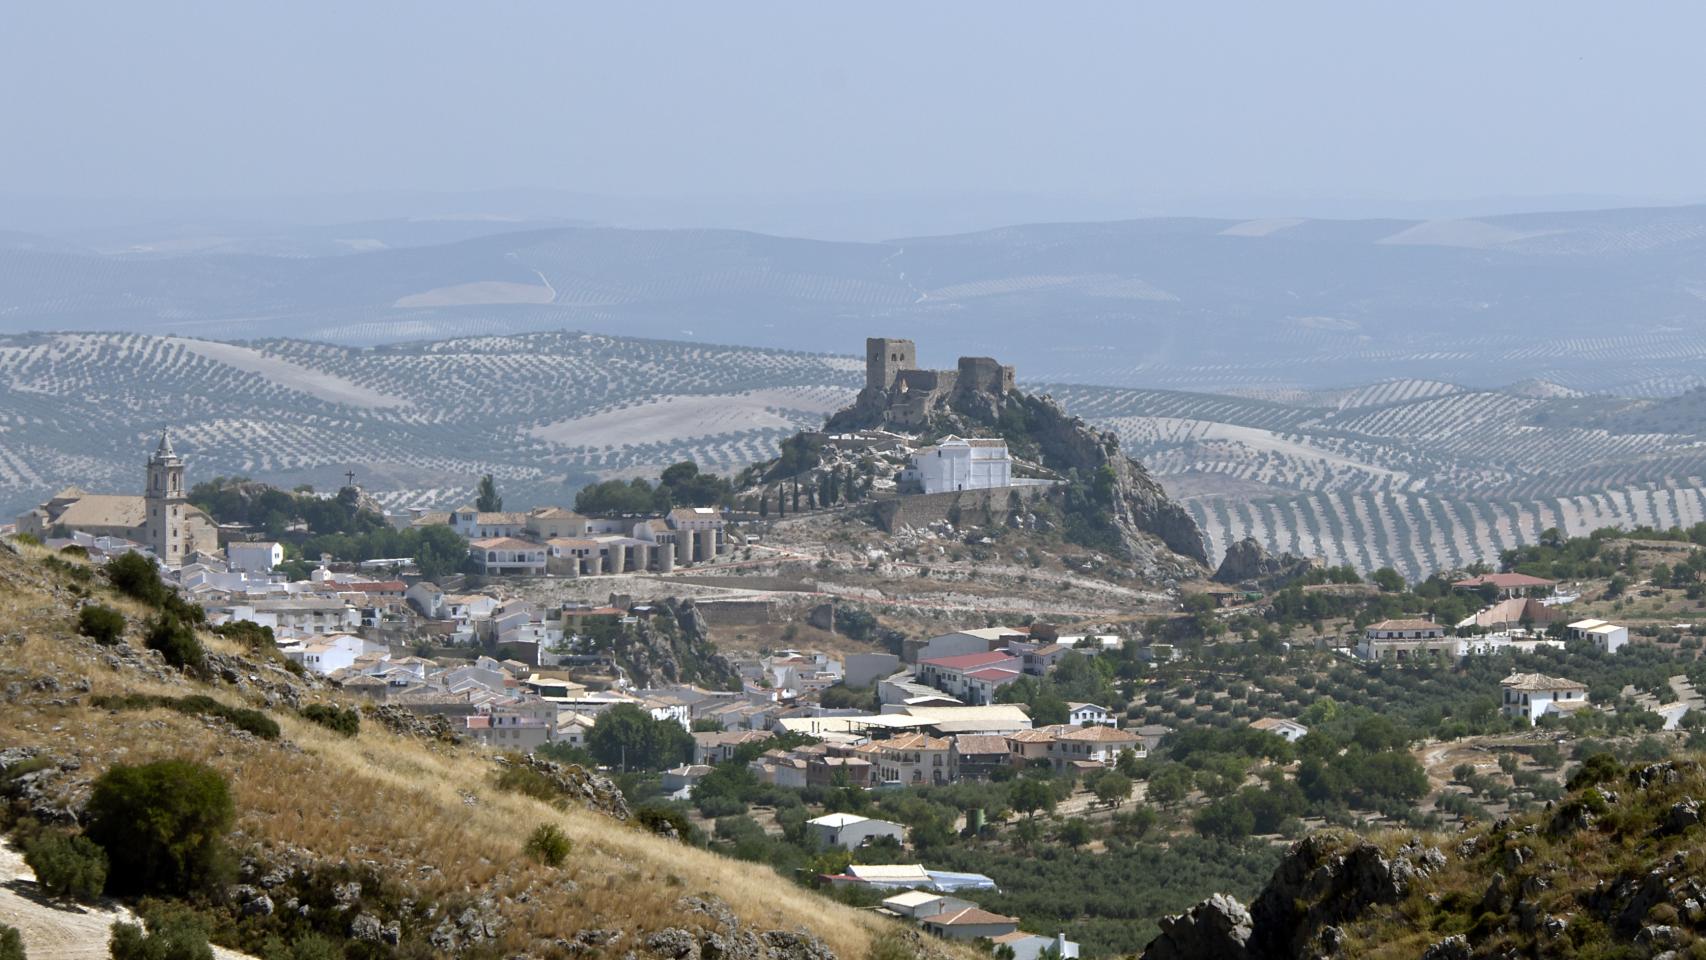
<point>1417,474</point>
<point>1599,301</point>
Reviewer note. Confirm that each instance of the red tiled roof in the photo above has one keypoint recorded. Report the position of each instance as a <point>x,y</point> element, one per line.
<point>974,916</point>
<point>971,661</point>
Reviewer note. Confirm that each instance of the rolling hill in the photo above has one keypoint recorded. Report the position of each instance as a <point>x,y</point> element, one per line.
<point>1415,474</point>
<point>1599,301</point>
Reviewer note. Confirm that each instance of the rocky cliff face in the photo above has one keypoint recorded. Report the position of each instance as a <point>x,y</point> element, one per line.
<point>1247,561</point>
<point>674,647</point>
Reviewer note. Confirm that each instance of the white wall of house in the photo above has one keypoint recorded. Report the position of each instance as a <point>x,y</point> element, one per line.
<point>253,557</point>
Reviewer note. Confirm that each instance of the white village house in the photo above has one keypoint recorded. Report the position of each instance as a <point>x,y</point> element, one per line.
<point>851,831</point>
<point>1606,637</point>
<point>1530,696</point>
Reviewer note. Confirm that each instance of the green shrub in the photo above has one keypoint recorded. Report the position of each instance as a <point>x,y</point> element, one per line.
<point>243,718</point>
<point>177,642</point>
<point>346,721</point>
<point>11,943</point>
<point>548,845</point>
<point>1596,769</point>
<point>100,623</point>
<point>310,947</point>
<point>172,933</point>
<point>518,778</point>
<point>72,868</point>
<point>162,825</point>
<point>136,576</point>
<point>664,820</point>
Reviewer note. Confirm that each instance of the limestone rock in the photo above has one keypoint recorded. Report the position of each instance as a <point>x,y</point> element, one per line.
<point>1219,927</point>
<point>1247,561</point>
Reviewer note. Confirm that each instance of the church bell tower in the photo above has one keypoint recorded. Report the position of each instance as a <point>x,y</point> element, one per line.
<point>167,505</point>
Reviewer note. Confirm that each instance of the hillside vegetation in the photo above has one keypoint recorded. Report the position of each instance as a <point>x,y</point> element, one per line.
<point>1611,870</point>
<point>393,841</point>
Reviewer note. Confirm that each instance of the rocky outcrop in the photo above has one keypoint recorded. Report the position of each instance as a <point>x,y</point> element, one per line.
<point>575,784</point>
<point>713,932</point>
<point>1324,881</point>
<point>674,647</point>
<point>1216,927</point>
<point>1247,561</point>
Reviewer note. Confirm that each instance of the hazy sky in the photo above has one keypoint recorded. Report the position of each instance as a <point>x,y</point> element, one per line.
<point>1176,107</point>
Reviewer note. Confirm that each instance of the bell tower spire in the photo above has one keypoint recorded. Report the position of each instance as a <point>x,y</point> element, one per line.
<point>167,505</point>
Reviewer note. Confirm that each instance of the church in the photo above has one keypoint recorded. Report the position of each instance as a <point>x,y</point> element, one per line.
<point>161,520</point>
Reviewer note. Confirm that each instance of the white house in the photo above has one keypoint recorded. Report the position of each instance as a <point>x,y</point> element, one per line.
<point>918,904</point>
<point>477,525</point>
<point>325,655</point>
<point>257,557</point>
<point>1031,946</point>
<point>508,556</point>
<point>956,464</point>
<point>1408,640</point>
<point>972,923</point>
<point>312,616</point>
<point>1531,696</point>
<point>1607,637</point>
<point>1079,714</point>
<point>970,677</point>
<point>1290,730</point>
<point>851,831</point>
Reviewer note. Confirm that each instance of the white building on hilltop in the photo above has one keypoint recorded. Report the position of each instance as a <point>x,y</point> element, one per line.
<point>956,464</point>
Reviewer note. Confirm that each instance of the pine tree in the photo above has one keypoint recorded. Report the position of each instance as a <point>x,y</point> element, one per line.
<point>488,501</point>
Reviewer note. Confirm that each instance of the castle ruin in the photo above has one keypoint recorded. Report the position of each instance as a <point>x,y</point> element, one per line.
<point>908,396</point>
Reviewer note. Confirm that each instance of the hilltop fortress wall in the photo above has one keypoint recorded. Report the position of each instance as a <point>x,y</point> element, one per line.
<point>974,506</point>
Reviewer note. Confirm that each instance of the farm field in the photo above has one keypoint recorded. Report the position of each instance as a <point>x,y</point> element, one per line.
<point>1417,474</point>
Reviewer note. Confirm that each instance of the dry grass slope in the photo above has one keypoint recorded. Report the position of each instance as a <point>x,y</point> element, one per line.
<point>426,814</point>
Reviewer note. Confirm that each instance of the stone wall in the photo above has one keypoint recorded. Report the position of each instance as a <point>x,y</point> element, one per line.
<point>736,613</point>
<point>918,510</point>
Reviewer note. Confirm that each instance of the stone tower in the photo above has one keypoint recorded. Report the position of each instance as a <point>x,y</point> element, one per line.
<point>167,506</point>
<point>885,358</point>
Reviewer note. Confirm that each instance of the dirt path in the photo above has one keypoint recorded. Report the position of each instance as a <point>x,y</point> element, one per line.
<point>54,931</point>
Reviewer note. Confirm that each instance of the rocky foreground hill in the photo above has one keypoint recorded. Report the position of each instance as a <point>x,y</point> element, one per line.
<point>384,835</point>
<point>1615,869</point>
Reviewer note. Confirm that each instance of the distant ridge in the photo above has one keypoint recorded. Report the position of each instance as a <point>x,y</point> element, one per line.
<point>1593,300</point>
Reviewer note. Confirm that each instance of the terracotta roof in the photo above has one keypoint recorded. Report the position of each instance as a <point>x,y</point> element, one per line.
<point>915,741</point>
<point>103,510</point>
<point>970,916</point>
<point>1539,682</point>
<point>1100,733</point>
<point>971,661</point>
<point>1031,736</point>
<point>975,743</point>
<point>995,673</point>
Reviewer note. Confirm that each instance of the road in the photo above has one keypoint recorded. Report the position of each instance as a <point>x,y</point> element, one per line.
<point>54,931</point>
